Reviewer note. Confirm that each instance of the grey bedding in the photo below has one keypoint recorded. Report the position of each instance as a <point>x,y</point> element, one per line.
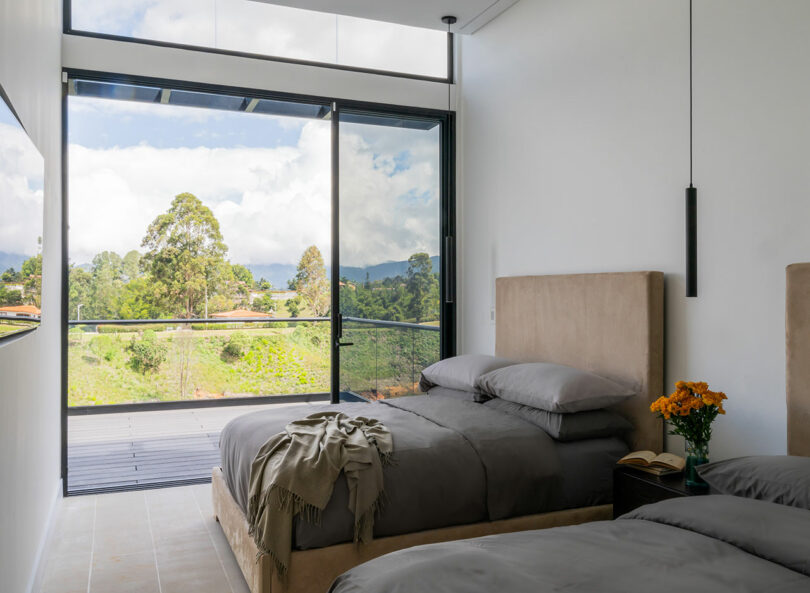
<point>455,462</point>
<point>715,544</point>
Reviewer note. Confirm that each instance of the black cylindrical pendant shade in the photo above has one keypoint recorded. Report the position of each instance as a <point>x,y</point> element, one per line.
<point>691,241</point>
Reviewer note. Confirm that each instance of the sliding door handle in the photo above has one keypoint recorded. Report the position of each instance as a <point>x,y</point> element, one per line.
<point>341,344</point>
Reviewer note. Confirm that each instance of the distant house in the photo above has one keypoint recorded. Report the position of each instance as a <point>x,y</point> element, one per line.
<point>240,313</point>
<point>20,312</point>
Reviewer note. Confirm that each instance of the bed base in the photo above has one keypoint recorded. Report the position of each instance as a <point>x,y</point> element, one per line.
<point>312,571</point>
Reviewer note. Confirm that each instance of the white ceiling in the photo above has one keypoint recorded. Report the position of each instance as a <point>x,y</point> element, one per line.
<point>471,14</point>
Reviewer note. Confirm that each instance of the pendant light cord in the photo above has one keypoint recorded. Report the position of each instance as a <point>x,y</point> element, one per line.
<point>691,141</point>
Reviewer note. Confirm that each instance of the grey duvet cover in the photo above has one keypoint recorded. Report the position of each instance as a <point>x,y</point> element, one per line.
<point>455,462</point>
<point>717,544</point>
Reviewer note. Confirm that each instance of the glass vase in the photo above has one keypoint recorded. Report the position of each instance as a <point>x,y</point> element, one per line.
<point>697,453</point>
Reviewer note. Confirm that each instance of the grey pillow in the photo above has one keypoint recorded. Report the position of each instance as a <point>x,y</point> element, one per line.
<point>460,372</point>
<point>552,387</point>
<point>594,424</point>
<point>467,396</point>
<point>783,479</point>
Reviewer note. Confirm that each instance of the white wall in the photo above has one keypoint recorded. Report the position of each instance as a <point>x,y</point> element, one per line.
<point>575,147</point>
<point>29,366</point>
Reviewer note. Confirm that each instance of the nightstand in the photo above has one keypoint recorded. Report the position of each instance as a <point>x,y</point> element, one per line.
<point>634,488</point>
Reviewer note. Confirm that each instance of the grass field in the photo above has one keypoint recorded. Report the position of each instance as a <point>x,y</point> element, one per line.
<point>197,365</point>
<point>228,360</point>
<point>7,328</point>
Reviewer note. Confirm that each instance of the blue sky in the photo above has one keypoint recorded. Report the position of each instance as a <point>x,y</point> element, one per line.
<point>95,127</point>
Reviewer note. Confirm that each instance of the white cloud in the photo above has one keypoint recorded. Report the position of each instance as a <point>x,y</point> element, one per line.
<point>264,28</point>
<point>21,181</point>
<point>271,203</point>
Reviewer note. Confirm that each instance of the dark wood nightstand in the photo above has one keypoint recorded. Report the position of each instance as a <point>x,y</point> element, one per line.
<point>634,488</point>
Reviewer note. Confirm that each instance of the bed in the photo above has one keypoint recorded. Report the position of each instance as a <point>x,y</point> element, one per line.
<point>610,324</point>
<point>753,536</point>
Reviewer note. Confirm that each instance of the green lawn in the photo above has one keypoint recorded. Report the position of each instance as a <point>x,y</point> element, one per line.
<point>197,365</point>
<point>6,328</point>
<point>230,360</point>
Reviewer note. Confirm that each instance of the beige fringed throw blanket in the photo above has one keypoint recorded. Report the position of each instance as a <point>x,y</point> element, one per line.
<point>295,471</point>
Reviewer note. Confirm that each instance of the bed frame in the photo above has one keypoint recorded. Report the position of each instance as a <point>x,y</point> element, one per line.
<point>611,324</point>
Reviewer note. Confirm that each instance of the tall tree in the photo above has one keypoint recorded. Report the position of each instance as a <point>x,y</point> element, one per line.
<point>32,280</point>
<point>186,254</point>
<point>131,266</point>
<point>242,274</point>
<point>107,284</point>
<point>80,292</point>
<point>310,281</point>
<point>423,287</point>
<point>11,275</point>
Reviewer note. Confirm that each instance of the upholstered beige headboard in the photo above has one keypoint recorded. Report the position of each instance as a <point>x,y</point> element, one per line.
<point>610,324</point>
<point>797,325</point>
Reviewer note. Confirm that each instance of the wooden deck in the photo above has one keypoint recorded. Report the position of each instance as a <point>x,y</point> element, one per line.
<point>144,449</point>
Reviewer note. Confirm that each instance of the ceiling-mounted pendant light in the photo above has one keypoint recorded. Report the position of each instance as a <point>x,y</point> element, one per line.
<point>691,193</point>
<point>449,21</point>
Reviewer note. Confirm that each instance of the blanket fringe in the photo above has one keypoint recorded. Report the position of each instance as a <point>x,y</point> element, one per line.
<point>287,501</point>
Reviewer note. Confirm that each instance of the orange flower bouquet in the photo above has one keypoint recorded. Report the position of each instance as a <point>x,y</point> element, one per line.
<point>690,410</point>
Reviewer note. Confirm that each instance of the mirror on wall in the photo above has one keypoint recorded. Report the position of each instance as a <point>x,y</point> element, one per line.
<point>22,175</point>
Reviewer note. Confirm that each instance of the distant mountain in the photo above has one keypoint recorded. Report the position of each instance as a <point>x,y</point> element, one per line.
<point>382,271</point>
<point>11,260</point>
<point>280,274</point>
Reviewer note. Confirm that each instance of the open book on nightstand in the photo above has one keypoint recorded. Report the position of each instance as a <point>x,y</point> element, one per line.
<point>658,465</point>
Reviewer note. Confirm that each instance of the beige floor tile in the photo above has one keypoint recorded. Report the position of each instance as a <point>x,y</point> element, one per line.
<point>154,541</point>
<point>73,531</point>
<point>129,573</point>
<point>117,539</point>
<point>226,557</point>
<point>191,566</point>
<point>67,573</point>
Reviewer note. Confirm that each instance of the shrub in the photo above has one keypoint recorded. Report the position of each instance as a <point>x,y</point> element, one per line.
<point>121,329</point>
<point>209,326</point>
<point>236,346</point>
<point>105,347</point>
<point>146,354</point>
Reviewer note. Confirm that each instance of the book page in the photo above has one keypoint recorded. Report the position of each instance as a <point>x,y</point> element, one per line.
<point>669,460</point>
<point>638,457</point>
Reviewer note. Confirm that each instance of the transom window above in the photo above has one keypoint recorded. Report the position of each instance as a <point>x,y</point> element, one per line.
<point>247,26</point>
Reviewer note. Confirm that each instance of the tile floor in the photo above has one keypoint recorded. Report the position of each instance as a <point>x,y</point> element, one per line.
<point>148,541</point>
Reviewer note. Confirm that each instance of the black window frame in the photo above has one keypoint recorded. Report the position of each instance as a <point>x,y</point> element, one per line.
<point>67,29</point>
<point>448,286</point>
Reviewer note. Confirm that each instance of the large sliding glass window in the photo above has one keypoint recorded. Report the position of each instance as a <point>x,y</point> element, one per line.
<point>192,216</point>
<point>201,245</point>
<point>249,26</point>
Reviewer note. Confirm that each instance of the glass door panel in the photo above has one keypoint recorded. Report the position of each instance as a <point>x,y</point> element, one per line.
<point>389,246</point>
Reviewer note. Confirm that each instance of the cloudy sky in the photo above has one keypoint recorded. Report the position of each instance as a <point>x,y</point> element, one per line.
<point>21,183</point>
<point>258,27</point>
<point>266,178</point>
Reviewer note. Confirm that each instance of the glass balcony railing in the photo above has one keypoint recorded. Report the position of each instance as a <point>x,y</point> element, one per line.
<point>386,357</point>
<point>135,361</point>
<point>168,360</point>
